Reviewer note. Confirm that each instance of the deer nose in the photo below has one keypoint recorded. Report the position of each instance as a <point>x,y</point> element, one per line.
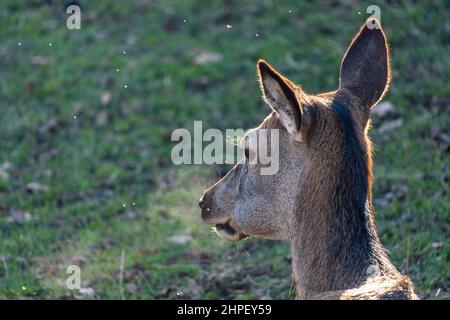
<point>201,202</point>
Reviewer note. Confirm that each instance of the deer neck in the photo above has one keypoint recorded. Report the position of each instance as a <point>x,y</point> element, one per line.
<point>335,244</point>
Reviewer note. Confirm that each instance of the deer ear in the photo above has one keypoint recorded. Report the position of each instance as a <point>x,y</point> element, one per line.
<point>279,93</point>
<point>365,69</point>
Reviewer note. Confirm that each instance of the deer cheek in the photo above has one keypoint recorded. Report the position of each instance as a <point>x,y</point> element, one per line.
<point>254,218</point>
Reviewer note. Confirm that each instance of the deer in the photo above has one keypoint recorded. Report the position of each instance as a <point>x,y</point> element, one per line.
<point>320,199</point>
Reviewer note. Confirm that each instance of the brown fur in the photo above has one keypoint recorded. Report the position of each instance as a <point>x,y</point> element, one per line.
<point>320,200</point>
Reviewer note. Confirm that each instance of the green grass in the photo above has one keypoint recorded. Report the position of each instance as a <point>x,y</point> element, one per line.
<point>117,151</point>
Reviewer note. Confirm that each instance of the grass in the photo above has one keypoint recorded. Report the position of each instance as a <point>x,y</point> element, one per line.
<point>100,152</point>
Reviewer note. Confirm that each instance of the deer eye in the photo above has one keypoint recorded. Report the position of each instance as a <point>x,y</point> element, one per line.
<point>247,153</point>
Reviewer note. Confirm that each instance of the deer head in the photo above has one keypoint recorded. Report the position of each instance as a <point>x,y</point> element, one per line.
<point>324,153</point>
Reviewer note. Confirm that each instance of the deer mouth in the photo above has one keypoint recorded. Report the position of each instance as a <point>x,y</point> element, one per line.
<point>228,232</point>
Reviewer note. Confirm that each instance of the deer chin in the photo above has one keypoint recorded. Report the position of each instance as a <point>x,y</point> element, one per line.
<point>229,231</point>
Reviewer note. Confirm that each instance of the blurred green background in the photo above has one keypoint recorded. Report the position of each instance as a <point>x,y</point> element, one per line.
<point>85,123</point>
